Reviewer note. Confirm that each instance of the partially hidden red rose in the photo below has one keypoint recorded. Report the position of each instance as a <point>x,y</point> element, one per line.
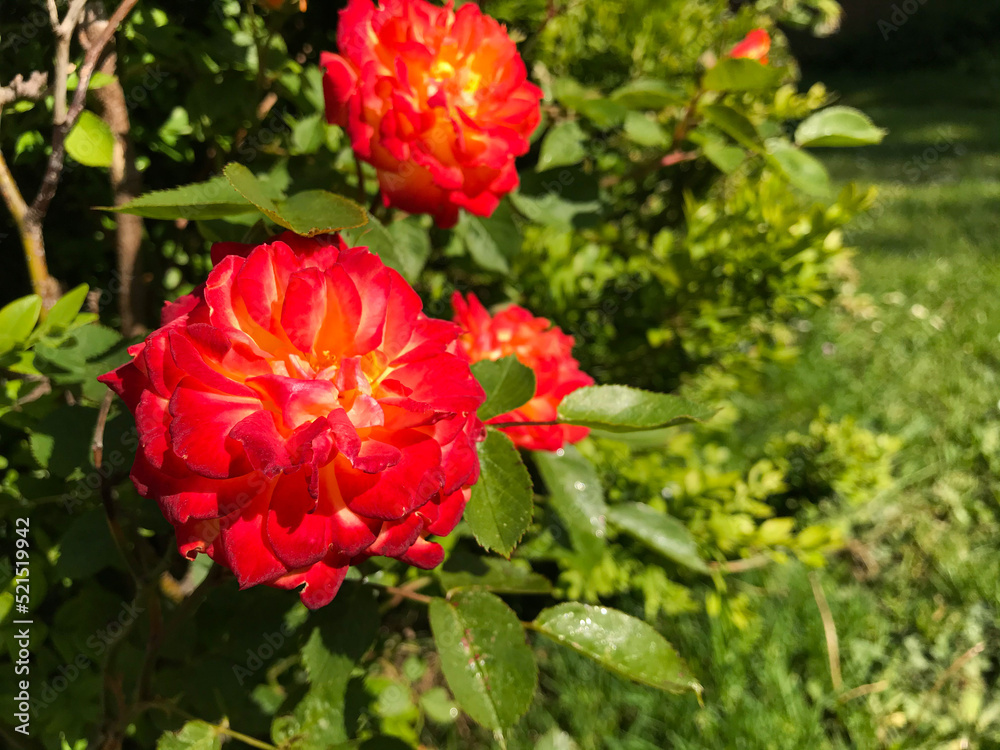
<point>298,413</point>
<point>437,100</point>
<point>755,46</point>
<point>537,344</point>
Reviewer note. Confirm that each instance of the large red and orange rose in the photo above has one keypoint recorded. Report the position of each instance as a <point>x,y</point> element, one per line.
<point>299,413</point>
<point>437,100</point>
<point>537,344</point>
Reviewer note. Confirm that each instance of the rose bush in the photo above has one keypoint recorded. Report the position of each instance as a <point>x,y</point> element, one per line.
<point>299,413</point>
<point>437,100</point>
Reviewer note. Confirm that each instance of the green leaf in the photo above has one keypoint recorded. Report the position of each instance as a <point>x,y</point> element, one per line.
<point>414,244</point>
<point>803,170</point>
<point>309,133</point>
<point>246,184</point>
<point>618,642</point>
<point>91,141</point>
<point>566,198</point>
<point>508,385</point>
<point>86,547</point>
<point>740,74</point>
<point>341,634</point>
<point>313,212</point>
<point>61,440</point>
<point>489,667</point>
<point>603,113</point>
<point>63,313</point>
<point>726,158</point>
<point>838,126</point>
<point>641,129</point>
<point>405,257</point>
<point>463,570</point>
<point>733,124</point>
<point>17,320</point>
<point>439,706</point>
<point>502,503</point>
<point>562,147</point>
<point>659,532</point>
<point>619,408</point>
<point>97,81</point>
<point>195,735</point>
<point>492,241</point>
<point>576,496</point>
<point>647,93</point>
<point>212,199</point>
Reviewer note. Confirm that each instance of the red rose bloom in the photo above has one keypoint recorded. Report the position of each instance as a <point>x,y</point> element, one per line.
<point>299,413</point>
<point>754,46</point>
<point>537,344</point>
<point>436,100</point>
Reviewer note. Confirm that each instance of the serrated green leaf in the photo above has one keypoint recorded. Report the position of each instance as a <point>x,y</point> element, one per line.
<point>313,212</point>
<point>246,184</point>
<point>659,532</point>
<point>17,321</point>
<point>508,385</point>
<point>838,126</point>
<point>562,146</point>
<point>91,141</point>
<point>464,570</point>
<point>619,642</point>
<point>740,74</point>
<point>732,123</point>
<point>576,496</point>
<point>212,199</point>
<point>195,735</point>
<point>502,503</point>
<point>803,170</point>
<point>489,667</point>
<point>619,408</point>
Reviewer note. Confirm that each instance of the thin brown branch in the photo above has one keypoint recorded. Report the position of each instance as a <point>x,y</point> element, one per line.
<point>33,88</point>
<point>30,233</point>
<point>830,631</point>
<point>126,180</point>
<point>53,170</point>
<point>64,37</point>
<point>409,591</point>
<point>97,444</point>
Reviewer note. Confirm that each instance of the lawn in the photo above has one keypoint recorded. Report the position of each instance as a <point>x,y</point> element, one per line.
<point>914,601</point>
